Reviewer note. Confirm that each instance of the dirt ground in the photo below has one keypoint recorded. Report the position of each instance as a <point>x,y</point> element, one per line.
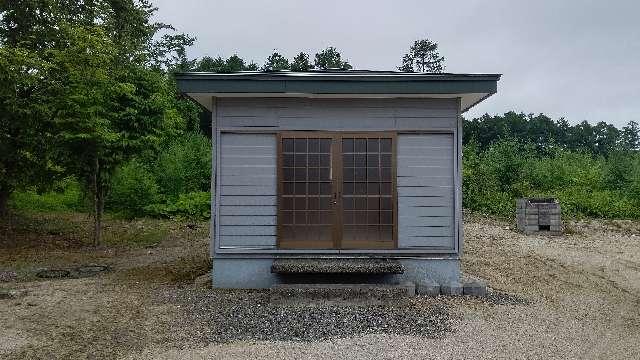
<point>574,296</point>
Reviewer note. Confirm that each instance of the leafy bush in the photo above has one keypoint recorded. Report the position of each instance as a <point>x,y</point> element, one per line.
<point>66,195</point>
<point>185,166</point>
<point>586,185</point>
<point>133,188</point>
<point>192,206</point>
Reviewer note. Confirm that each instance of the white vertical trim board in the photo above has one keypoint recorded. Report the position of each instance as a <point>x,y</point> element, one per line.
<point>214,179</point>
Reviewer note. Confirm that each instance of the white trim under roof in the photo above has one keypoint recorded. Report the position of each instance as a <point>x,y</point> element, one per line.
<point>467,100</point>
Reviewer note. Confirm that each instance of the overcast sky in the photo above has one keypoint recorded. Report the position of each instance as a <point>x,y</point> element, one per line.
<point>577,59</point>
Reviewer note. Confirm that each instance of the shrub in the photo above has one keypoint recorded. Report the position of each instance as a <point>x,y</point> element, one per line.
<point>185,166</point>
<point>192,206</point>
<point>617,174</point>
<point>586,185</point>
<point>66,195</point>
<point>132,189</point>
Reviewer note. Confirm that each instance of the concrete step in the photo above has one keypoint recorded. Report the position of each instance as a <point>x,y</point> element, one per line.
<point>337,266</point>
<point>357,294</point>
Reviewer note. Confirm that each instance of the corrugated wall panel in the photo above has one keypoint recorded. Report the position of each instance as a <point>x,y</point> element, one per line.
<point>426,191</point>
<point>248,212</point>
<point>337,114</point>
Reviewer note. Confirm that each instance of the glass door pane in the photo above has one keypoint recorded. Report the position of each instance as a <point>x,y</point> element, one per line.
<point>368,188</point>
<point>306,205</point>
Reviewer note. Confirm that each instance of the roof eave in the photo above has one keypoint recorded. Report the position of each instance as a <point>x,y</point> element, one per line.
<point>468,86</point>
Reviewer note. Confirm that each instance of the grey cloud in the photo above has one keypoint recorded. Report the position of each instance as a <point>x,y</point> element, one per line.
<point>577,59</point>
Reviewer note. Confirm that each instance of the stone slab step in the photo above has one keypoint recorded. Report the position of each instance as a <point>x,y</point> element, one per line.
<point>337,293</point>
<point>337,266</point>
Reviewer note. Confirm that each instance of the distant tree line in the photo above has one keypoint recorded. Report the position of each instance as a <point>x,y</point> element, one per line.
<point>545,133</point>
<point>329,58</point>
<point>423,56</point>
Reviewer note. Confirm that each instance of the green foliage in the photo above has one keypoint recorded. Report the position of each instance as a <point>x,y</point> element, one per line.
<point>65,195</point>
<point>169,185</point>
<point>132,188</point>
<point>301,62</point>
<point>191,206</point>
<point>546,134</point>
<point>91,77</point>
<point>219,65</point>
<point>481,189</point>
<point>276,62</point>
<point>25,123</point>
<point>423,56</point>
<point>185,166</point>
<point>330,58</point>
<point>616,171</point>
<point>585,185</point>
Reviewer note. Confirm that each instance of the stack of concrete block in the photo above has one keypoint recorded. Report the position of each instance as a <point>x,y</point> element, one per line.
<point>539,214</point>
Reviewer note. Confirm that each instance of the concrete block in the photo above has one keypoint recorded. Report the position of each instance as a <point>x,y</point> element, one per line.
<point>409,287</point>
<point>453,288</point>
<point>475,288</point>
<point>428,287</point>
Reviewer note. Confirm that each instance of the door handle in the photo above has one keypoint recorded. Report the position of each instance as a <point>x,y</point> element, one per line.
<point>336,196</point>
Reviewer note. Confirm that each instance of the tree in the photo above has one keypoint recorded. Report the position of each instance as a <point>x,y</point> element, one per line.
<point>630,136</point>
<point>330,58</point>
<point>219,65</point>
<point>90,80</point>
<point>25,136</point>
<point>276,62</point>
<point>606,137</point>
<point>105,113</point>
<point>301,62</point>
<point>423,56</point>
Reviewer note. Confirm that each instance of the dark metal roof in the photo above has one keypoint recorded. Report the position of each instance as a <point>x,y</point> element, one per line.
<point>342,75</point>
<point>472,88</point>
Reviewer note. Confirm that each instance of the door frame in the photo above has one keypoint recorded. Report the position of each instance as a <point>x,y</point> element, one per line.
<point>336,180</point>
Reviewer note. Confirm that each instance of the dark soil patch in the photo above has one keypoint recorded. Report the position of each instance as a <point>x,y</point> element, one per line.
<point>182,270</point>
<point>53,273</point>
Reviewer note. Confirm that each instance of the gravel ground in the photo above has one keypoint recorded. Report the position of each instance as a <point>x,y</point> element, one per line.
<point>229,316</point>
<point>575,296</point>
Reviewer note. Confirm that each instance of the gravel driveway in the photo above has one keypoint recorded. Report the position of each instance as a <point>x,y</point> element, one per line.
<point>568,297</point>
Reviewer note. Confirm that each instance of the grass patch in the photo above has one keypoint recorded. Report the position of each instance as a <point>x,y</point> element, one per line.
<point>138,233</point>
<point>64,196</point>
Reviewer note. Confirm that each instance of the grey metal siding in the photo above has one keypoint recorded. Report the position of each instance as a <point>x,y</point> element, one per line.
<point>247,178</point>
<point>426,191</point>
<point>247,199</point>
<point>337,114</point>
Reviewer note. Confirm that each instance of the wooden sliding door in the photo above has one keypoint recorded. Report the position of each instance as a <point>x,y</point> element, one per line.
<point>368,191</point>
<point>336,190</point>
<point>306,195</point>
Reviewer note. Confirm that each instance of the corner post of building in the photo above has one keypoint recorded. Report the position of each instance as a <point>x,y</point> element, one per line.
<point>214,160</point>
<point>458,176</point>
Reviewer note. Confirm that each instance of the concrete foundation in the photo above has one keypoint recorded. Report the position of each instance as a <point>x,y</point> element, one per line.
<point>452,288</point>
<point>255,273</point>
